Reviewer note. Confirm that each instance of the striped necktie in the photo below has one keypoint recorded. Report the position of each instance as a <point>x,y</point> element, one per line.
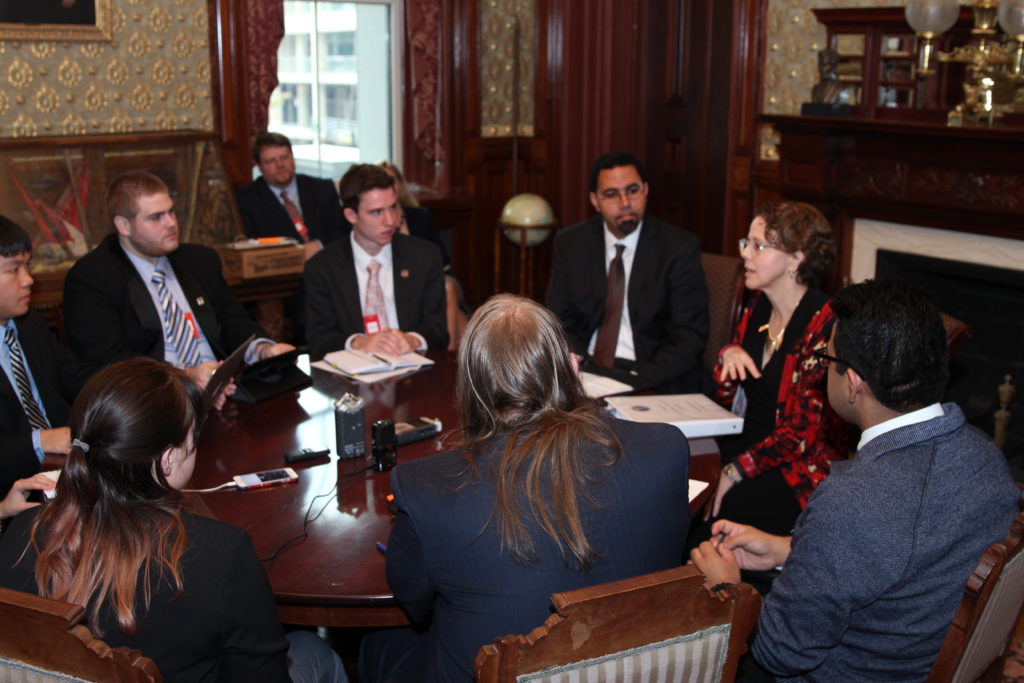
<point>375,295</point>
<point>178,332</point>
<point>36,419</point>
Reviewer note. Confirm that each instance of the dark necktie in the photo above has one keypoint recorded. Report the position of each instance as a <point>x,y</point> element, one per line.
<point>608,335</point>
<point>35,416</point>
<point>296,216</point>
<point>178,332</point>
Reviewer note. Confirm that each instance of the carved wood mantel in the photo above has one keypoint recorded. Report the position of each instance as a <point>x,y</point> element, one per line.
<point>962,179</point>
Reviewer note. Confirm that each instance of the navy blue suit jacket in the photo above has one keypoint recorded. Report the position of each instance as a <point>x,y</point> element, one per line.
<point>263,215</point>
<point>445,558</point>
<point>667,299</point>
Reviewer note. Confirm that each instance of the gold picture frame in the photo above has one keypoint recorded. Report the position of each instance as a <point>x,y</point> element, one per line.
<point>81,20</point>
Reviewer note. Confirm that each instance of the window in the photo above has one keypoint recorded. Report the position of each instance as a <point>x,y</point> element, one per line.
<point>338,87</point>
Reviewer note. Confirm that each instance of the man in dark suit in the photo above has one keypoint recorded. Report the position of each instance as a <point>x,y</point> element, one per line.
<point>40,378</point>
<point>642,316</point>
<point>549,495</point>
<point>264,203</point>
<point>141,293</point>
<point>378,290</point>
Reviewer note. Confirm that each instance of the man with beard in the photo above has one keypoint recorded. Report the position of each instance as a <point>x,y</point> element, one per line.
<point>629,288</point>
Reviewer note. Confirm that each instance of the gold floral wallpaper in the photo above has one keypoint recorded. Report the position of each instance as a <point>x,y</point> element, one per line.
<point>794,38</point>
<point>153,76</point>
<point>497,20</point>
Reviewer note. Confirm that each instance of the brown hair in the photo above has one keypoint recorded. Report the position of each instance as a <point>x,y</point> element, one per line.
<point>115,521</point>
<point>516,380</point>
<point>360,178</point>
<point>123,195</point>
<point>268,139</point>
<point>405,198</point>
<point>796,226</point>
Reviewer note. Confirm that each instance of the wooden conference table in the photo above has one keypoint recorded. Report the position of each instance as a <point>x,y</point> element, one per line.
<point>335,575</point>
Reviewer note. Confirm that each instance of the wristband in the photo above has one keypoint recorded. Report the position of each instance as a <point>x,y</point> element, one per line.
<point>732,473</point>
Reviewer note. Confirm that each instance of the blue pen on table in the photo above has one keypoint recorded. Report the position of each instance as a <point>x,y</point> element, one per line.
<point>381,547</point>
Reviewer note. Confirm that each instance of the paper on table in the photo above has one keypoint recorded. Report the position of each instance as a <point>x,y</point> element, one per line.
<point>366,378</point>
<point>695,415</point>
<point>598,386</point>
<point>352,362</point>
<point>696,487</point>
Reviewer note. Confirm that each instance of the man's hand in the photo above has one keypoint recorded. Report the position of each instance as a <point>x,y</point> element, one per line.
<point>56,440</point>
<point>203,372</point>
<point>311,248</point>
<point>265,351</point>
<point>17,498</point>
<point>716,562</point>
<point>389,341</point>
<point>752,548</point>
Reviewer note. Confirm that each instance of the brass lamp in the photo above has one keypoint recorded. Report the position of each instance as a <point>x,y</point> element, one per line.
<point>526,220</point>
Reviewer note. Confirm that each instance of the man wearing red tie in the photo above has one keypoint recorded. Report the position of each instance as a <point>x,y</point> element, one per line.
<point>378,290</point>
<point>282,203</point>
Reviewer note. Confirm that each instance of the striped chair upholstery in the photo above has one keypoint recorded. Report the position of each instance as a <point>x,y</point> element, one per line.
<point>657,627</point>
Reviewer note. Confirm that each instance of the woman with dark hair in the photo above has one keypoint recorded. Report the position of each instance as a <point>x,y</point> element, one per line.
<point>546,493</point>
<point>188,591</point>
<point>770,375</point>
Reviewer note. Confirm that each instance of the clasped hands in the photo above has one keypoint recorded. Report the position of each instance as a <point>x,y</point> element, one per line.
<point>737,546</point>
<point>389,340</point>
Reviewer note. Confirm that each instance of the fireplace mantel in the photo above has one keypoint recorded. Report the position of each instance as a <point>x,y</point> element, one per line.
<point>963,179</point>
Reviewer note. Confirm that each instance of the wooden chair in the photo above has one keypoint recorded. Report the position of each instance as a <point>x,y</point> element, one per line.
<point>978,639</point>
<point>45,640</point>
<point>660,623</point>
<point>724,277</point>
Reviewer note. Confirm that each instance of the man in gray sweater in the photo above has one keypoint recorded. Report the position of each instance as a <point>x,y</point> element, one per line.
<point>877,562</point>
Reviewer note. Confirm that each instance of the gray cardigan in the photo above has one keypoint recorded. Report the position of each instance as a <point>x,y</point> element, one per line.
<point>882,552</point>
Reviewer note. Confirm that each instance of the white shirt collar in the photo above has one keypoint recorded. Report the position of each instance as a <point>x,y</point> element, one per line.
<point>629,241</point>
<point>291,188</point>
<point>362,258</point>
<point>920,415</point>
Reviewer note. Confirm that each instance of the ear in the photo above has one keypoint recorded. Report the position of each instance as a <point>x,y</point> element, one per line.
<point>168,461</point>
<point>855,384</point>
<point>594,202</point>
<point>123,225</point>
<point>350,215</point>
<point>575,360</point>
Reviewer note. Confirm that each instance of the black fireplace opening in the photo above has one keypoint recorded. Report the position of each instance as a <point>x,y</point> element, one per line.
<point>991,301</point>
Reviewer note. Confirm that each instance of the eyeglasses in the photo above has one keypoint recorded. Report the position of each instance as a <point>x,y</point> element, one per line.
<point>759,247</point>
<point>826,359</point>
<point>612,194</point>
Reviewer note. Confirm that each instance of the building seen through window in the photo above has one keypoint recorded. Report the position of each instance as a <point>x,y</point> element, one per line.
<point>336,94</point>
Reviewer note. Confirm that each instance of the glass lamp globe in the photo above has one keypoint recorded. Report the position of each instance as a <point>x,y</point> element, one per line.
<point>930,18</point>
<point>527,213</point>
<point>1011,17</point>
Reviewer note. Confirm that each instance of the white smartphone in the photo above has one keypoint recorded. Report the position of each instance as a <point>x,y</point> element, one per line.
<point>269,478</point>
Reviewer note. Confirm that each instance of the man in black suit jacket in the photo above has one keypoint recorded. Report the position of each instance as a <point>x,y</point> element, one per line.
<point>263,210</point>
<point>411,277</point>
<point>52,370</point>
<point>660,336</point>
<point>111,309</point>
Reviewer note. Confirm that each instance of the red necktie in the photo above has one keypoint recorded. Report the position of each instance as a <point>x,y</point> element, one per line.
<point>608,335</point>
<point>296,216</point>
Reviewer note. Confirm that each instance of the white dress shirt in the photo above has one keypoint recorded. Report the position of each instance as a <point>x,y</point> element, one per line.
<point>920,415</point>
<point>361,260</point>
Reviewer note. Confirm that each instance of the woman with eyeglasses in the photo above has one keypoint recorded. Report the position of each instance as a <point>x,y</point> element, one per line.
<point>770,375</point>
<point>187,591</point>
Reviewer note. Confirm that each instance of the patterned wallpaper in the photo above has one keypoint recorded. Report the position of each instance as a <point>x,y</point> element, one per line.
<point>497,19</point>
<point>794,38</point>
<point>153,76</point>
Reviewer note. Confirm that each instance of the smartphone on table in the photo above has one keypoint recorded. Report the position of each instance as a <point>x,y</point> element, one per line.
<point>257,480</point>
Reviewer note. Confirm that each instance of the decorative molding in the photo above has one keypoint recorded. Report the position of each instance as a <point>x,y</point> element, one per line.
<point>967,188</point>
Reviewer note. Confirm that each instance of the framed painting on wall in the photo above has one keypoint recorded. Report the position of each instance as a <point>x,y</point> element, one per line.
<point>55,20</point>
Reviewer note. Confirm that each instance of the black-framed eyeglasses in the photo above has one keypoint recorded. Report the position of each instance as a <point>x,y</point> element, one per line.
<point>826,359</point>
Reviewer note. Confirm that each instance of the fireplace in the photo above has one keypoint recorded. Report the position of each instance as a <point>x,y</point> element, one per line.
<point>989,298</point>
